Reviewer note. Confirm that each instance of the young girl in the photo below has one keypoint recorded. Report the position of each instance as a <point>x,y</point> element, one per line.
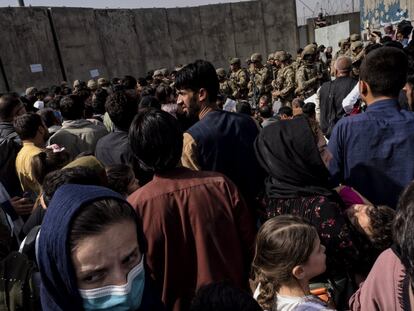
<point>288,255</point>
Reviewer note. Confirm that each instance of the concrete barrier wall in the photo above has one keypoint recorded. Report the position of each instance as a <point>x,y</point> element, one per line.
<point>26,39</point>
<point>218,34</point>
<point>119,42</point>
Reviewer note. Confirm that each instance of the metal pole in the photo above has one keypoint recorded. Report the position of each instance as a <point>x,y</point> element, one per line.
<point>21,2</point>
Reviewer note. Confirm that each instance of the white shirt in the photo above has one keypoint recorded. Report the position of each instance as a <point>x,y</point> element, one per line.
<point>351,99</point>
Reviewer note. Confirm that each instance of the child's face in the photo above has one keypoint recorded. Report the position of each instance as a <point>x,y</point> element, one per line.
<point>316,263</point>
<point>358,215</point>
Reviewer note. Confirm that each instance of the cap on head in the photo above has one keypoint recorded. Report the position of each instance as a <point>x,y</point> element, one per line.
<point>102,82</point>
<point>281,56</point>
<point>256,58</point>
<point>356,44</point>
<point>92,85</point>
<point>31,91</point>
<point>309,50</point>
<point>221,73</point>
<point>355,37</point>
<point>235,61</point>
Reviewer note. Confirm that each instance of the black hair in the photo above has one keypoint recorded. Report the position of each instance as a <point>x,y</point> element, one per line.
<point>98,215</point>
<point>198,75</point>
<point>142,82</point>
<point>129,82</point>
<point>265,112</point>
<point>410,79</point>
<point>72,107</point>
<point>48,116</point>
<point>162,93</point>
<point>222,296</point>
<point>149,102</point>
<point>394,44</point>
<point>119,177</point>
<point>403,230</point>
<point>244,108</point>
<point>75,175</point>
<point>27,125</point>
<point>309,110</point>
<point>299,51</point>
<point>48,161</point>
<point>8,103</point>
<point>98,101</point>
<point>55,102</point>
<point>286,110</point>
<point>122,109</point>
<point>156,139</point>
<point>372,47</point>
<point>385,71</point>
<point>55,90</point>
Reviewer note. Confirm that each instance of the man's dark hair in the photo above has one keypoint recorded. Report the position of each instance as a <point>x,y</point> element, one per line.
<point>385,71</point>
<point>122,109</point>
<point>286,110</point>
<point>394,44</point>
<point>244,108</point>
<point>223,297</point>
<point>55,90</point>
<point>27,125</point>
<point>48,116</point>
<point>410,79</point>
<point>98,103</point>
<point>162,93</point>
<point>372,47</point>
<point>265,112</point>
<point>309,110</point>
<point>75,175</point>
<point>72,107</point>
<point>156,139</point>
<point>198,75</point>
<point>142,81</point>
<point>129,82</point>
<point>8,103</point>
<point>149,102</point>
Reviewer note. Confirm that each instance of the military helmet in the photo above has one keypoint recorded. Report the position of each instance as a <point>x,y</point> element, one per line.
<point>221,72</point>
<point>235,61</point>
<point>356,44</point>
<point>355,37</point>
<point>309,50</point>
<point>271,56</point>
<point>343,42</point>
<point>256,57</point>
<point>281,56</point>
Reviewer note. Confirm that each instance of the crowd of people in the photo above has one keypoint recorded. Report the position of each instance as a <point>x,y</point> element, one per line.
<point>281,186</point>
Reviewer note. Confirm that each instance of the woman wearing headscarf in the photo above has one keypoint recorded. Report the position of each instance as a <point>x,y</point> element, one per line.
<point>91,253</point>
<point>292,153</point>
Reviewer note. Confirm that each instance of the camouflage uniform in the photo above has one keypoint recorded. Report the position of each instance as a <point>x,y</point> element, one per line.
<point>238,81</point>
<point>358,52</point>
<point>285,80</point>
<point>343,50</point>
<point>307,76</point>
<point>225,88</point>
<point>260,80</point>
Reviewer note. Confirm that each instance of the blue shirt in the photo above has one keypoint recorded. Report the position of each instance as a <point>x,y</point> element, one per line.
<point>374,152</point>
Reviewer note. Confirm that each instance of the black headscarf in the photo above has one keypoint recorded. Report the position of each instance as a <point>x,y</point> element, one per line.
<point>289,154</point>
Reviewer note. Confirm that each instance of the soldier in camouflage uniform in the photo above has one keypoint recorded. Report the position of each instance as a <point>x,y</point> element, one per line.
<point>271,65</point>
<point>261,79</point>
<point>284,85</point>
<point>238,79</point>
<point>343,48</point>
<point>225,88</point>
<point>307,77</point>
<point>357,50</point>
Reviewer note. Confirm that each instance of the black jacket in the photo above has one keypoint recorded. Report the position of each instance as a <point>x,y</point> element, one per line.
<point>331,95</point>
<point>10,145</point>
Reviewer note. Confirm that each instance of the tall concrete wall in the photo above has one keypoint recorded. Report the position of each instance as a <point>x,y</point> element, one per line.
<point>27,39</point>
<point>154,38</point>
<point>119,42</point>
<point>218,33</point>
<point>79,42</point>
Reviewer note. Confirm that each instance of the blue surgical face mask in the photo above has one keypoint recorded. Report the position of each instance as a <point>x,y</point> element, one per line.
<point>117,298</point>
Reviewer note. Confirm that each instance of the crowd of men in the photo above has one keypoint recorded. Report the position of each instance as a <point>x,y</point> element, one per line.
<point>202,159</point>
